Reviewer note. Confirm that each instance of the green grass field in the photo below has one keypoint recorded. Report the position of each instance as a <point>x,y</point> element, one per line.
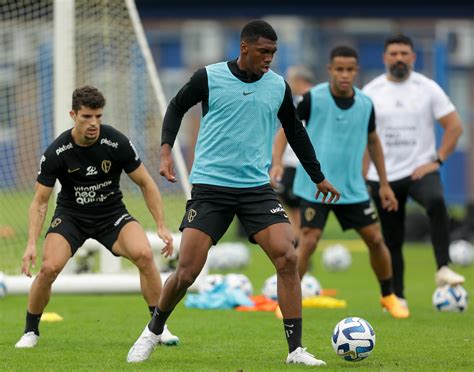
<point>98,331</point>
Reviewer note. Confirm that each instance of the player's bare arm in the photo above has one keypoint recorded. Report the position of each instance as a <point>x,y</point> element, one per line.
<point>152,197</point>
<point>36,215</point>
<point>452,127</point>
<point>279,144</point>
<point>299,141</point>
<point>387,196</point>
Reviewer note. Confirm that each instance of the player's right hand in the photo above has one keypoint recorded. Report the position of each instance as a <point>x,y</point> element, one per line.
<point>167,238</point>
<point>28,257</point>
<point>326,188</point>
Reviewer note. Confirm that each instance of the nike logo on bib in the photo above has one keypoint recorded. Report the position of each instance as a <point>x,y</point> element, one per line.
<point>247,93</point>
<point>72,170</point>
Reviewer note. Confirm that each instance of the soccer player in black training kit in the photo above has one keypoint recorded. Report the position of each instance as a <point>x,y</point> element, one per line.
<point>241,101</point>
<point>88,160</point>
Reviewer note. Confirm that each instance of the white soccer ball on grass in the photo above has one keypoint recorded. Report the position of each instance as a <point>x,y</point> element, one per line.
<point>239,281</point>
<point>269,289</point>
<point>461,252</point>
<point>210,282</point>
<point>450,298</point>
<point>353,339</point>
<point>310,286</point>
<point>336,258</point>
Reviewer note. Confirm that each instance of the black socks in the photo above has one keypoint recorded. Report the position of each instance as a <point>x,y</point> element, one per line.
<point>32,323</point>
<point>157,322</point>
<point>293,333</point>
<point>386,287</point>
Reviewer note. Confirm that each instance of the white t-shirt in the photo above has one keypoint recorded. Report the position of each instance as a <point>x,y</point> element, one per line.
<point>404,115</point>
<point>289,157</point>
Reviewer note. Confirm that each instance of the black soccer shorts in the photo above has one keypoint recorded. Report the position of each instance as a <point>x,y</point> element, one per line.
<point>350,216</point>
<point>76,229</point>
<point>211,209</point>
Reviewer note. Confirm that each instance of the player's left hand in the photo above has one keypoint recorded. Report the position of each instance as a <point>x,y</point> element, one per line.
<point>166,164</point>
<point>276,174</point>
<point>167,238</point>
<point>388,199</point>
<point>326,188</point>
<point>423,170</point>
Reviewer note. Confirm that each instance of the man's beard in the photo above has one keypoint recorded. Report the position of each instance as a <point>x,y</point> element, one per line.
<point>399,70</point>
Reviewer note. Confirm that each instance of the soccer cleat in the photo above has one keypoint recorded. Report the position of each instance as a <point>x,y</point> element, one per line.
<point>167,338</point>
<point>143,347</point>
<point>28,340</point>
<point>447,276</point>
<point>403,302</point>
<point>392,304</point>
<point>301,356</point>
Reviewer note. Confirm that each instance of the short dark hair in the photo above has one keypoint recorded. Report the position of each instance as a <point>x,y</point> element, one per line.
<point>398,39</point>
<point>258,28</point>
<point>87,96</point>
<point>343,51</point>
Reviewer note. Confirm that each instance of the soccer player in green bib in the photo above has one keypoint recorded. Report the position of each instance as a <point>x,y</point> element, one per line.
<point>241,101</point>
<point>340,122</point>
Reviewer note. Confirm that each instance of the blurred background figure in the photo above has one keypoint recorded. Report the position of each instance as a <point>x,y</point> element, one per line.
<point>301,79</point>
<point>406,105</point>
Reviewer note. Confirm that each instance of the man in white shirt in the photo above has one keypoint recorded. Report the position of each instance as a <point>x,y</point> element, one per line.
<point>407,104</point>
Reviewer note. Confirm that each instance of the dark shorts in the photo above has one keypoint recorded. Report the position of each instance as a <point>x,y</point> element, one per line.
<point>350,216</point>
<point>211,209</point>
<point>285,188</point>
<point>76,229</point>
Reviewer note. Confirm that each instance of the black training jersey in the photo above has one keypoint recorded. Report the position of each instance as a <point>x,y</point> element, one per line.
<point>89,175</point>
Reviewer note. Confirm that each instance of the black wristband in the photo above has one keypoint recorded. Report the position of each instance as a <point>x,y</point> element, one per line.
<point>439,161</point>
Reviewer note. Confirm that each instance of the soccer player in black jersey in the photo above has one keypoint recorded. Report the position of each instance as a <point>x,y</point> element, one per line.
<point>88,161</point>
<point>241,102</point>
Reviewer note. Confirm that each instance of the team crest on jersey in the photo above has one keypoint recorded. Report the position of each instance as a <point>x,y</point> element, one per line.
<point>309,214</point>
<point>191,214</point>
<point>56,222</point>
<point>91,171</point>
<point>106,165</point>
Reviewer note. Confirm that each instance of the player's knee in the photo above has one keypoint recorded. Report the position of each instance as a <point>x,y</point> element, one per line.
<point>375,241</point>
<point>286,262</point>
<point>435,204</point>
<point>49,271</point>
<point>143,258</point>
<point>185,277</point>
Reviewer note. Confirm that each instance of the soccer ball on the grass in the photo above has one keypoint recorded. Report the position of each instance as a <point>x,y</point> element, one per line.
<point>461,252</point>
<point>353,339</point>
<point>3,286</point>
<point>210,282</point>
<point>269,289</point>
<point>336,258</point>
<point>450,298</point>
<point>310,286</point>
<point>239,281</point>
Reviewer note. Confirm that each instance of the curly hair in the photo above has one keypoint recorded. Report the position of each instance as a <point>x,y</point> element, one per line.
<point>87,96</point>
